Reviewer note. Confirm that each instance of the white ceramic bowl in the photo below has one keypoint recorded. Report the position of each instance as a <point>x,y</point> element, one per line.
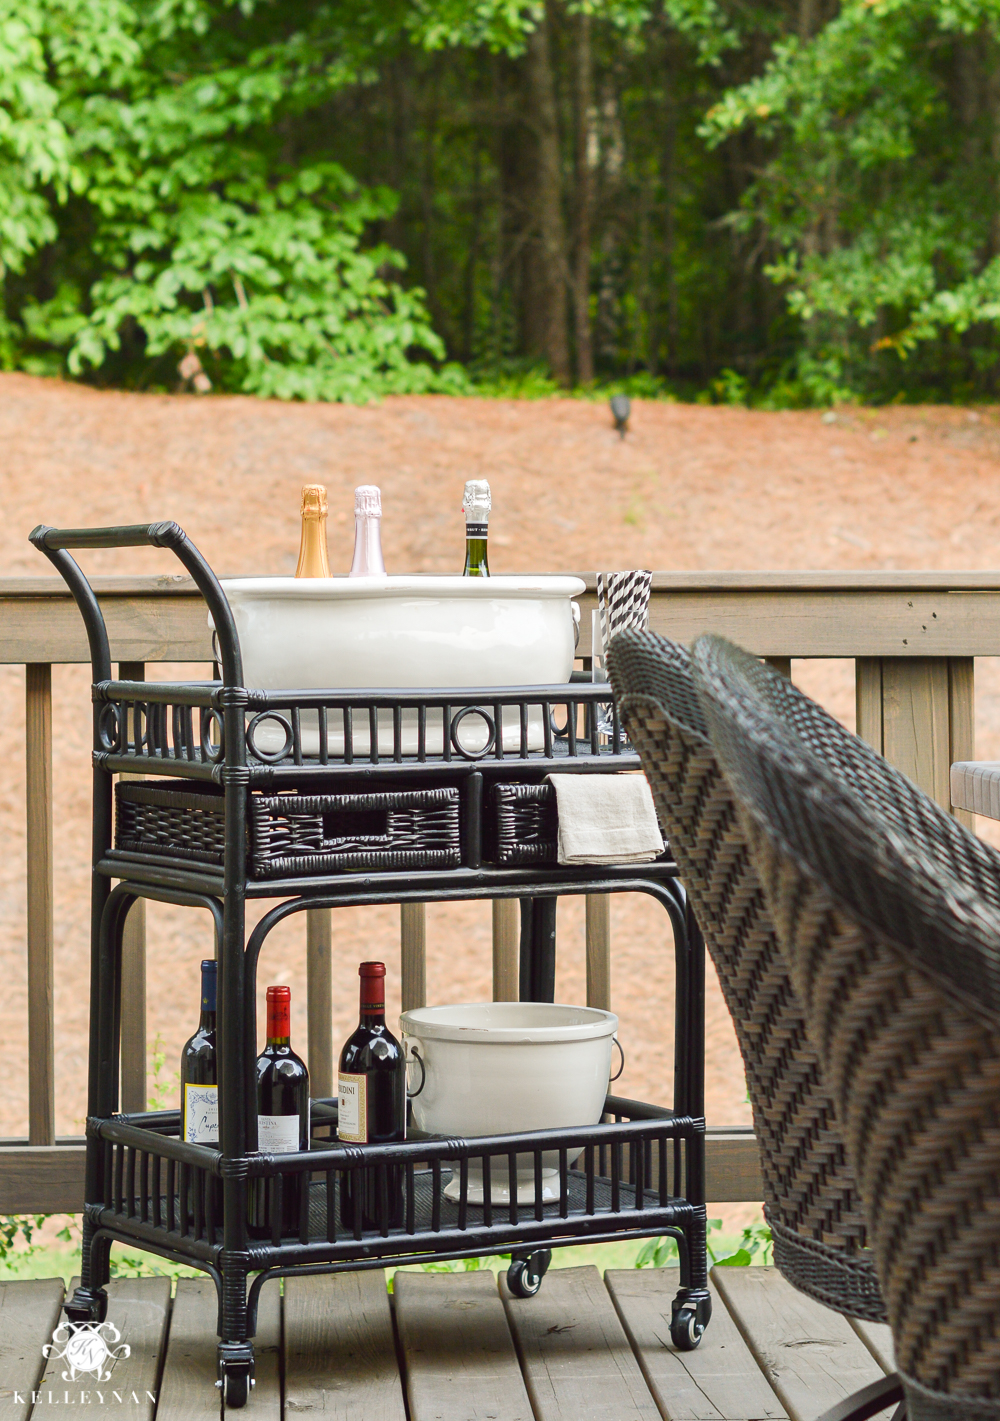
<point>339,633</point>
<point>495,1068</point>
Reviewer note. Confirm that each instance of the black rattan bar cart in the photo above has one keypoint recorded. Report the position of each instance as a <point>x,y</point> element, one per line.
<point>216,819</point>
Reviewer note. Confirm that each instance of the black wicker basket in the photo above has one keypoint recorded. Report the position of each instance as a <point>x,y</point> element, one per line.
<point>183,820</point>
<point>524,824</point>
<point>293,835</point>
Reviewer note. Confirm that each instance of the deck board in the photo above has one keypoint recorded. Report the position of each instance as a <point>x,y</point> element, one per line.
<point>877,1337</point>
<point>264,1403</point>
<point>573,1351</point>
<point>811,1356</point>
<point>718,1381</point>
<point>340,1351</point>
<point>187,1388</point>
<point>139,1309</point>
<point>457,1349</point>
<point>460,1350</point>
<point>29,1311</point>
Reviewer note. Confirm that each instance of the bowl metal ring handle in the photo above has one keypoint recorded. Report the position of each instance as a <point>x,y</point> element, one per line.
<point>416,1056</point>
<point>621,1052</point>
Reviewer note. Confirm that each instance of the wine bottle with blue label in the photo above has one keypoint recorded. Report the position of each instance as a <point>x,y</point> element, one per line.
<point>199,1070</point>
<point>200,1101</point>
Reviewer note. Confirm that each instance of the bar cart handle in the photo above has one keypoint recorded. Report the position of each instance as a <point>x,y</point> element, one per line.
<point>55,543</point>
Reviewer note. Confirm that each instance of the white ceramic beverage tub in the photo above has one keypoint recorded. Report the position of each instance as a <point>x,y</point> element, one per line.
<point>341,633</point>
<point>494,1068</point>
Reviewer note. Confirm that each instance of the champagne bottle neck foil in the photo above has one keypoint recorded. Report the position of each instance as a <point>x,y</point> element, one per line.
<point>368,560</point>
<point>368,501</point>
<point>313,560</point>
<point>477,504</point>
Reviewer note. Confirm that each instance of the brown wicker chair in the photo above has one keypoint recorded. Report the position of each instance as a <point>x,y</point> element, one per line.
<point>811,1201</point>
<point>894,949</point>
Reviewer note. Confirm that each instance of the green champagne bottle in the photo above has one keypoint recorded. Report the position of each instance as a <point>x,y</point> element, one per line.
<point>476,504</point>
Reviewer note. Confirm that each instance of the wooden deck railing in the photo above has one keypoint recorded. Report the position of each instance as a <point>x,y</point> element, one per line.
<point>912,636</point>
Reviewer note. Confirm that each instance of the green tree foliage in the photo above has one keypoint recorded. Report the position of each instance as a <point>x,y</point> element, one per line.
<point>881,195</point>
<point>640,260</point>
<point>161,194</point>
<point>784,202</point>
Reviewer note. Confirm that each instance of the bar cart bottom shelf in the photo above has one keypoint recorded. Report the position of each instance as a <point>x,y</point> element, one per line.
<point>606,1199</point>
<point>591,1207</point>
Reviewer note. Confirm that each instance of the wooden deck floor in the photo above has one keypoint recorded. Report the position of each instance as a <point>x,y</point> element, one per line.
<point>455,1347</point>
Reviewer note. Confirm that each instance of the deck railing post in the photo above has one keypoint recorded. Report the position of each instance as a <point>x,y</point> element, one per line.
<point>133,1046</point>
<point>413,954</point>
<point>506,942</point>
<point>962,720</point>
<point>599,950</point>
<point>38,787</point>
<point>782,664</point>
<point>919,713</point>
<point>319,1000</point>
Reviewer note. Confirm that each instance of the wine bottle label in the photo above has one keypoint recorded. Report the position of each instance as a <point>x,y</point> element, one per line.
<point>477,530</point>
<point>201,1114</point>
<point>277,1134</point>
<point>352,1109</point>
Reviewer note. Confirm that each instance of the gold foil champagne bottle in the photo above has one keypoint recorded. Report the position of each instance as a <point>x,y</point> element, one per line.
<point>312,549</point>
<point>477,504</point>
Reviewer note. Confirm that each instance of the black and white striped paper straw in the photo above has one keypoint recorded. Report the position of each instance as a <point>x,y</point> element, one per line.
<point>623,602</point>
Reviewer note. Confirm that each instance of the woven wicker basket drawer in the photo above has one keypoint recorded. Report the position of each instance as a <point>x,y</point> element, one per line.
<point>294,835</point>
<point>300,834</point>
<point>523,824</point>
<point>185,820</point>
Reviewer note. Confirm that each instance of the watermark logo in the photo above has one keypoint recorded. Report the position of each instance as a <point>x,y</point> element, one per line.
<point>86,1348</point>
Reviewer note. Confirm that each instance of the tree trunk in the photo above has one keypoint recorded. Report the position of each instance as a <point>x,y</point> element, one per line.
<point>472,255</point>
<point>670,231</point>
<point>499,262</point>
<point>584,97</point>
<point>993,103</point>
<point>550,270</point>
<point>427,195</point>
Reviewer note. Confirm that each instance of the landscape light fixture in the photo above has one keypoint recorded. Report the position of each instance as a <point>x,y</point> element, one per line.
<point>621,408</point>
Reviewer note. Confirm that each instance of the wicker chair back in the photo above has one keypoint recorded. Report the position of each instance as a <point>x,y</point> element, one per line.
<point>895,953</point>
<point>811,1200</point>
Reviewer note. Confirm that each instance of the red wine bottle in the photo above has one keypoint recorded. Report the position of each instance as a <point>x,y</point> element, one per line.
<point>199,1070</point>
<point>200,1102</point>
<point>371,1107</point>
<point>282,1116</point>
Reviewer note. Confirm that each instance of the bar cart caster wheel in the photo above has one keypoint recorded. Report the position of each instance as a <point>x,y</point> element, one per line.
<point>236,1388</point>
<point>690,1318</point>
<point>86,1306</point>
<point>235,1376</point>
<point>526,1271</point>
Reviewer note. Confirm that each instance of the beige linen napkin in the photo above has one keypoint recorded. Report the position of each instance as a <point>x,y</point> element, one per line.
<point>606,819</point>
